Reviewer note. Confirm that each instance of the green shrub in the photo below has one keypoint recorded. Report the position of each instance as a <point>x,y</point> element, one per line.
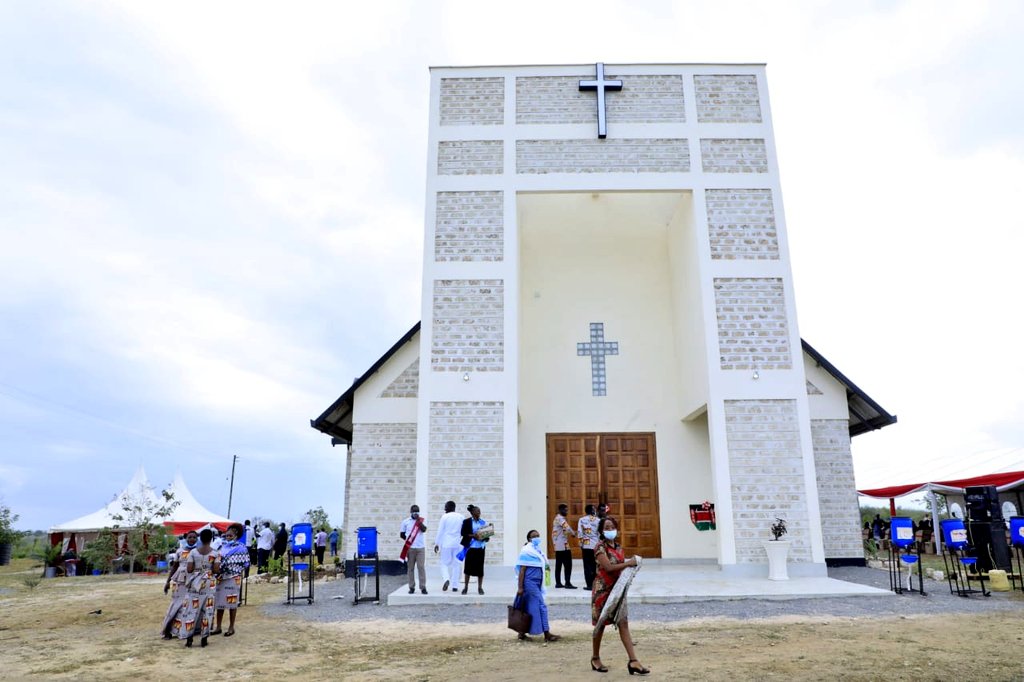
<point>101,552</point>
<point>277,567</point>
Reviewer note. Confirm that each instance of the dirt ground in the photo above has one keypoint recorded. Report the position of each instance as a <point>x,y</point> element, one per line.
<point>51,632</point>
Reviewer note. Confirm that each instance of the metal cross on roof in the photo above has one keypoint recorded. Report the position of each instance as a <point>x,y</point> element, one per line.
<point>600,85</point>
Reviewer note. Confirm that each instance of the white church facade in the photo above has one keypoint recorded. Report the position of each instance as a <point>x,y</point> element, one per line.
<point>608,316</point>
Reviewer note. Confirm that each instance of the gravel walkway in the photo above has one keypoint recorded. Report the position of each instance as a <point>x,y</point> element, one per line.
<point>328,608</point>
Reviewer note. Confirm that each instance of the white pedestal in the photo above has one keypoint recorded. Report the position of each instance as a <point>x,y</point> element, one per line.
<point>778,551</point>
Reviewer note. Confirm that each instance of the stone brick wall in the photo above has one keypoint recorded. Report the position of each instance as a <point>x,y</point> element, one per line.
<point>471,157</point>
<point>467,464</point>
<point>557,99</point>
<point>406,384</point>
<point>470,226</point>
<point>730,155</point>
<point>727,99</point>
<point>741,224</point>
<point>603,156</point>
<point>472,101</point>
<point>837,489</point>
<point>469,325</point>
<point>752,327</point>
<point>382,477</point>
<point>767,472</point>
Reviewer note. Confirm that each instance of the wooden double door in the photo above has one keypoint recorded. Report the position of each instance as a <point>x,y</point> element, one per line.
<point>620,469</point>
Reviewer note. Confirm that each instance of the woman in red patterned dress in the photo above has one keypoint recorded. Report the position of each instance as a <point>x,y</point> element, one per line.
<point>610,559</point>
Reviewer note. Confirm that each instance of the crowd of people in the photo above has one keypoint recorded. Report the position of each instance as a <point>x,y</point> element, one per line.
<point>460,543</point>
<point>878,530</point>
<point>207,571</point>
<point>205,581</point>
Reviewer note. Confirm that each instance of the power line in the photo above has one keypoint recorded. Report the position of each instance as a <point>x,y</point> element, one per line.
<point>102,420</point>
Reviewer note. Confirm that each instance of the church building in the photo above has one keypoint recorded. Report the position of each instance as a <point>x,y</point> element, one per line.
<point>608,315</point>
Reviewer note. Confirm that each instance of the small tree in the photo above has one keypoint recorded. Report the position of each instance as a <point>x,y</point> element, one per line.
<point>317,517</point>
<point>141,515</point>
<point>8,536</point>
<point>101,552</point>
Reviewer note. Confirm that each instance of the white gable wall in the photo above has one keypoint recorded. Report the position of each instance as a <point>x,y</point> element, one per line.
<point>833,461</point>
<point>380,483</point>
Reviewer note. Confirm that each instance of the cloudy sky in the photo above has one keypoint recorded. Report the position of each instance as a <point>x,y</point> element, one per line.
<point>211,220</point>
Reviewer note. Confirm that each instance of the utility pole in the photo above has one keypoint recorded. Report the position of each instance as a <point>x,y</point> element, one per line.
<point>231,490</point>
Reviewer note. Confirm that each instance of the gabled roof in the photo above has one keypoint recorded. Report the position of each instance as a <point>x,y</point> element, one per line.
<point>336,421</point>
<point>865,414</point>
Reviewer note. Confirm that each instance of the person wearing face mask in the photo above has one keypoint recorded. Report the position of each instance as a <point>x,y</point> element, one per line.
<point>234,560</point>
<point>611,560</point>
<point>531,566</point>
<point>195,614</point>
<point>413,531</point>
<point>176,580</point>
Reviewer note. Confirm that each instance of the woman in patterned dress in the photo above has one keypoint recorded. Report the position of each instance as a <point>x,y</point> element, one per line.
<point>176,581</point>
<point>234,559</point>
<point>611,559</point>
<point>195,615</point>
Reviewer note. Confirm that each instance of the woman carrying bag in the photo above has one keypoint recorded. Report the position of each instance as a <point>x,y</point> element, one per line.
<point>531,567</point>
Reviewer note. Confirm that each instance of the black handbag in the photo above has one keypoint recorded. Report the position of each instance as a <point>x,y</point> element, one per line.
<point>518,619</point>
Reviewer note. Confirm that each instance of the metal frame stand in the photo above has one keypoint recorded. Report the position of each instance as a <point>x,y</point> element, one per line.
<point>909,558</point>
<point>1018,577</point>
<point>362,568</point>
<point>295,569</point>
<point>958,573</point>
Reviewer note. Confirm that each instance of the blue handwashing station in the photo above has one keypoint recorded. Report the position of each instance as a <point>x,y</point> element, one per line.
<point>300,561</point>
<point>366,565</point>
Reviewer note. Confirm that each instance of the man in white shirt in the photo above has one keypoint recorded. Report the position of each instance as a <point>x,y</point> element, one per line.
<point>449,543</point>
<point>264,544</point>
<point>415,559</point>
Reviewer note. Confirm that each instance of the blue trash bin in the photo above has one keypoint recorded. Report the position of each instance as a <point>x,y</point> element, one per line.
<point>366,541</point>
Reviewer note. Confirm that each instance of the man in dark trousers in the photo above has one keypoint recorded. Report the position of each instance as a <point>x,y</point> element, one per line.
<point>560,532</point>
<point>280,542</point>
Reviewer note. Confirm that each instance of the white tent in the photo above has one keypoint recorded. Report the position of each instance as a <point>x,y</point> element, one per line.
<point>188,515</point>
<point>104,517</point>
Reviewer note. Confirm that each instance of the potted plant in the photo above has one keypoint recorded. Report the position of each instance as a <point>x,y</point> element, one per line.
<point>777,550</point>
<point>50,555</point>
<point>8,536</point>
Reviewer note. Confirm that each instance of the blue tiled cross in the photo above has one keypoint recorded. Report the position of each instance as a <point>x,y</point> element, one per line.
<point>597,348</point>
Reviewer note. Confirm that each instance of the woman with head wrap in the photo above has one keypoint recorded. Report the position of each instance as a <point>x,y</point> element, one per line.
<point>176,580</point>
<point>195,615</point>
<point>234,559</point>
<point>531,566</point>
